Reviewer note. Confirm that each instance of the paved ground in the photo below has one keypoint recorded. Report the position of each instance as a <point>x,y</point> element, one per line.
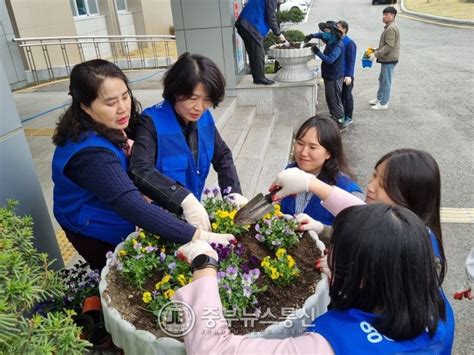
<point>431,109</point>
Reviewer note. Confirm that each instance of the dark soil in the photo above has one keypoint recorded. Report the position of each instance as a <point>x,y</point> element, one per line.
<point>292,45</point>
<point>274,302</point>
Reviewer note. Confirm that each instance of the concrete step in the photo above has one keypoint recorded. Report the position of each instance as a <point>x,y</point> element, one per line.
<point>277,155</point>
<point>249,161</point>
<point>235,122</point>
<point>224,111</point>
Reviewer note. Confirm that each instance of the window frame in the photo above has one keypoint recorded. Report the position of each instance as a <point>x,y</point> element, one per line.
<point>75,10</point>
<point>122,10</point>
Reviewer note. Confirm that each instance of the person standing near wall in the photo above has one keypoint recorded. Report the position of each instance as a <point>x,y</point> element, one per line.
<point>350,50</point>
<point>253,24</point>
<point>386,54</point>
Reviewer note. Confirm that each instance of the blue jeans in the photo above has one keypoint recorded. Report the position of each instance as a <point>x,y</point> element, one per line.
<point>385,82</point>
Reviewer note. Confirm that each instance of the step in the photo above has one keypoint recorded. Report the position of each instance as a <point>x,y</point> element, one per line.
<point>277,156</point>
<point>224,111</point>
<point>234,132</point>
<point>249,161</point>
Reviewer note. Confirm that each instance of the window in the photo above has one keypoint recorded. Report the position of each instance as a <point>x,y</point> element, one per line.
<point>84,7</point>
<point>121,5</point>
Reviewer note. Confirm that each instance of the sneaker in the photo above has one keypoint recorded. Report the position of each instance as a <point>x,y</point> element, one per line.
<point>379,106</point>
<point>340,120</point>
<point>347,121</point>
<point>374,102</point>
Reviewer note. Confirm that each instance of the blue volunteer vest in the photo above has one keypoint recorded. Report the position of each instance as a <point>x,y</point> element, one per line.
<point>314,209</point>
<point>351,332</point>
<point>255,13</point>
<point>174,157</point>
<point>79,210</point>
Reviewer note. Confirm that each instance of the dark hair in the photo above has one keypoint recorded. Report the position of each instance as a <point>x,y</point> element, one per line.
<point>412,180</point>
<point>390,10</point>
<point>190,70</point>
<point>86,80</point>
<point>329,137</point>
<point>382,262</point>
<point>344,25</point>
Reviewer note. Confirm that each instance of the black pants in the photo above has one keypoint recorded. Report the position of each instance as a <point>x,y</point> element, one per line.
<point>256,53</point>
<point>347,99</point>
<point>92,250</point>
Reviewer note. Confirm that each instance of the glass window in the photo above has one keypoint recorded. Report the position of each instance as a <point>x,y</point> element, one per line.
<point>121,5</point>
<point>84,7</point>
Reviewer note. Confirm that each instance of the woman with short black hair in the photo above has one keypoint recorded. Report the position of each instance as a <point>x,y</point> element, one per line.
<point>177,141</point>
<point>385,295</point>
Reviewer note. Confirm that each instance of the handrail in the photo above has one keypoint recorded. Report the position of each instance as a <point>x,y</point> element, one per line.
<point>119,49</point>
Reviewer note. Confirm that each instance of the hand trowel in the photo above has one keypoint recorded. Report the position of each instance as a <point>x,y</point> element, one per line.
<point>256,208</point>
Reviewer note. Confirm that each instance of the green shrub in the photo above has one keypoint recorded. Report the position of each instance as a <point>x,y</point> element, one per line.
<point>294,15</point>
<point>290,35</point>
<point>26,279</point>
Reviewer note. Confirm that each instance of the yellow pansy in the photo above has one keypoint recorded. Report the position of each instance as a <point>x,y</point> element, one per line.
<point>275,274</point>
<point>222,214</point>
<point>168,293</point>
<point>146,297</point>
<point>232,214</point>
<point>265,262</point>
<point>158,285</point>
<point>142,235</point>
<point>277,208</point>
<point>214,226</point>
<point>181,279</point>
<point>166,278</point>
<point>291,261</point>
<point>267,216</point>
<point>280,253</point>
<point>122,252</point>
<point>163,250</point>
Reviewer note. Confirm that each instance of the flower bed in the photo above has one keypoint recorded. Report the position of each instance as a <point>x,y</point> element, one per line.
<point>263,278</point>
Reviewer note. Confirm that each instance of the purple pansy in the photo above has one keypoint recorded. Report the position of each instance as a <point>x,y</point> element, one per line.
<point>172,266</point>
<point>259,237</point>
<point>231,272</point>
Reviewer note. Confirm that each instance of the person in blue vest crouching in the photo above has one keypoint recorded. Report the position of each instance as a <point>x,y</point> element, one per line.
<point>177,141</point>
<point>95,201</point>
<point>385,293</point>
<point>318,150</point>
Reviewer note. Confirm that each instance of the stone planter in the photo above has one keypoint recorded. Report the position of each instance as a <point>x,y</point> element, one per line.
<point>294,63</point>
<point>139,342</point>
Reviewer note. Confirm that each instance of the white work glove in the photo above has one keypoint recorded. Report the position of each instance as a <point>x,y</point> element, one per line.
<point>319,244</point>
<point>306,223</point>
<point>347,80</point>
<point>216,238</point>
<point>292,181</point>
<point>281,38</point>
<point>195,213</point>
<point>237,199</point>
<point>189,251</point>
<point>372,57</point>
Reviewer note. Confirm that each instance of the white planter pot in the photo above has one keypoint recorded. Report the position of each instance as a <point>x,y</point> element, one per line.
<point>140,342</point>
<point>294,63</point>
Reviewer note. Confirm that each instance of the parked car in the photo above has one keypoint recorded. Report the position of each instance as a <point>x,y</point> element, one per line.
<point>290,4</point>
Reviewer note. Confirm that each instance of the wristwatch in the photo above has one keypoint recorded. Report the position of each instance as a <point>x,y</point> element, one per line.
<point>202,261</point>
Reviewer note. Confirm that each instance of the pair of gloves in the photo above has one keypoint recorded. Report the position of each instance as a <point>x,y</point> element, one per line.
<point>196,215</point>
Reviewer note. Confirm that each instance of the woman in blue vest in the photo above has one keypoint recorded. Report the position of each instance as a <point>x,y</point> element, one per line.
<point>385,295</point>
<point>177,141</point>
<point>95,201</point>
<point>318,150</point>
<point>404,177</point>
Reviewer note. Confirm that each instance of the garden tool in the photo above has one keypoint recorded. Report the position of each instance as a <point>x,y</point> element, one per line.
<point>256,208</point>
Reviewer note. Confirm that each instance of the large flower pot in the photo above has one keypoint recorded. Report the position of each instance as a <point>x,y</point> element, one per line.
<point>294,63</point>
<point>134,341</point>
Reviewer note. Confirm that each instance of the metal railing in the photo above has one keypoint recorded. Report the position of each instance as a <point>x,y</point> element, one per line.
<point>153,51</point>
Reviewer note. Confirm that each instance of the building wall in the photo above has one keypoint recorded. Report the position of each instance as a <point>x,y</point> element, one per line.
<point>93,26</point>
<point>10,56</point>
<point>157,16</point>
<point>127,27</point>
<point>35,18</point>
